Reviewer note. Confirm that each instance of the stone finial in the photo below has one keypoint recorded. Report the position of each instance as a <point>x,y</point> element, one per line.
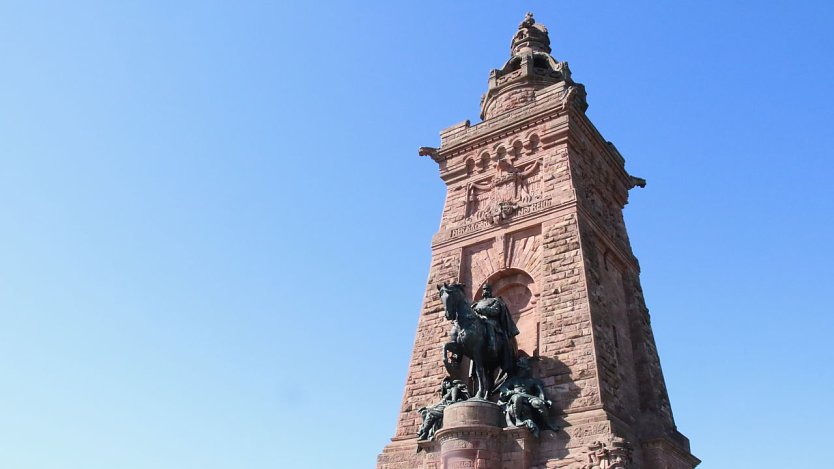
<point>528,21</point>
<point>530,37</point>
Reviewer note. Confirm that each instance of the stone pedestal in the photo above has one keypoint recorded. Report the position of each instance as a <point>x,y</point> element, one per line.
<point>471,435</point>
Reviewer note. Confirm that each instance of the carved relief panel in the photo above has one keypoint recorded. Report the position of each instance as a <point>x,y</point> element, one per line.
<point>500,184</point>
<point>499,197</point>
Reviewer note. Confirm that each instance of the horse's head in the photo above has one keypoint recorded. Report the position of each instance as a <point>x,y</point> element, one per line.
<point>451,296</point>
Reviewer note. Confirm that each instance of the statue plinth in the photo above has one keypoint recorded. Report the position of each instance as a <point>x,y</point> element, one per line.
<point>471,435</point>
<point>472,413</point>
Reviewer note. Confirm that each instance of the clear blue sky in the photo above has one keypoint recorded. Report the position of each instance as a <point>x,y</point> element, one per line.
<point>215,228</point>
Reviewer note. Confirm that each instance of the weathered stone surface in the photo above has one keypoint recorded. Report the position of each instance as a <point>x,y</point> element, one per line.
<point>534,207</point>
<point>473,412</point>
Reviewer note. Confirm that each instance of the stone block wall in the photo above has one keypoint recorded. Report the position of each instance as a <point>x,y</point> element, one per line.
<point>534,207</point>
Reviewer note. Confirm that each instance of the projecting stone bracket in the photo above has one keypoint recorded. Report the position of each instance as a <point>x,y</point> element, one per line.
<point>635,181</point>
<point>431,152</point>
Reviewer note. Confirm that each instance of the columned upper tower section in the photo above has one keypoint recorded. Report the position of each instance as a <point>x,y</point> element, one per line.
<point>529,69</point>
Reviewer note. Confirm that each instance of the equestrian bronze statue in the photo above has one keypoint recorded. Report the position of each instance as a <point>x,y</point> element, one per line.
<point>487,339</point>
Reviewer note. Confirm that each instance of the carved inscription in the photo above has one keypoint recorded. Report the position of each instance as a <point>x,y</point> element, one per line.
<point>517,211</point>
<point>471,228</point>
<point>534,207</point>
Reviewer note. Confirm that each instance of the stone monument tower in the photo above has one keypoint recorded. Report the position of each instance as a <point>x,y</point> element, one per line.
<point>534,210</point>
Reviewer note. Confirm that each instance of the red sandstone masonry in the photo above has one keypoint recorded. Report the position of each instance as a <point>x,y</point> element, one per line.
<point>558,252</point>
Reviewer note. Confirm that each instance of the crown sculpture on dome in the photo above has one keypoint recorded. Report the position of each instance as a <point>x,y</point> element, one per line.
<point>531,36</point>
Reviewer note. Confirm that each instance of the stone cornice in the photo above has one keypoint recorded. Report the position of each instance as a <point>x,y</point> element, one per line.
<point>487,231</point>
<point>462,137</point>
<point>452,171</point>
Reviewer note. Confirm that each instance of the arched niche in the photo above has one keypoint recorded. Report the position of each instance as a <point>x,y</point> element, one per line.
<point>519,291</point>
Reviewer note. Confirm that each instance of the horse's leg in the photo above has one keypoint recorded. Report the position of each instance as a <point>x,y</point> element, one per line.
<point>475,377</point>
<point>489,382</point>
<point>484,355</point>
<point>449,362</point>
<point>480,376</point>
<point>484,381</point>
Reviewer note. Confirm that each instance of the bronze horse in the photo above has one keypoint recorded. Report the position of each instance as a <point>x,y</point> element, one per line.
<point>469,339</point>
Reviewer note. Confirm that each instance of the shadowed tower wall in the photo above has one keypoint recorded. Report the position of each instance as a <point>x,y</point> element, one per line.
<point>534,207</point>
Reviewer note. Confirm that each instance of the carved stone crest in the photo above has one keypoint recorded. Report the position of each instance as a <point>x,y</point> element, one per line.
<point>499,198</point>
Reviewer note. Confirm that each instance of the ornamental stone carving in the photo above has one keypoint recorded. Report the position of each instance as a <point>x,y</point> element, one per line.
<point>613,455</point>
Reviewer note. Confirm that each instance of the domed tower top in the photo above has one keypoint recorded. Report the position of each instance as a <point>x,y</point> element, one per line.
<point>530,69</point>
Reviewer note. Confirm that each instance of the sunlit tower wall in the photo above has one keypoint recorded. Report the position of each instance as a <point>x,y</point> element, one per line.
<point>534,206</point>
